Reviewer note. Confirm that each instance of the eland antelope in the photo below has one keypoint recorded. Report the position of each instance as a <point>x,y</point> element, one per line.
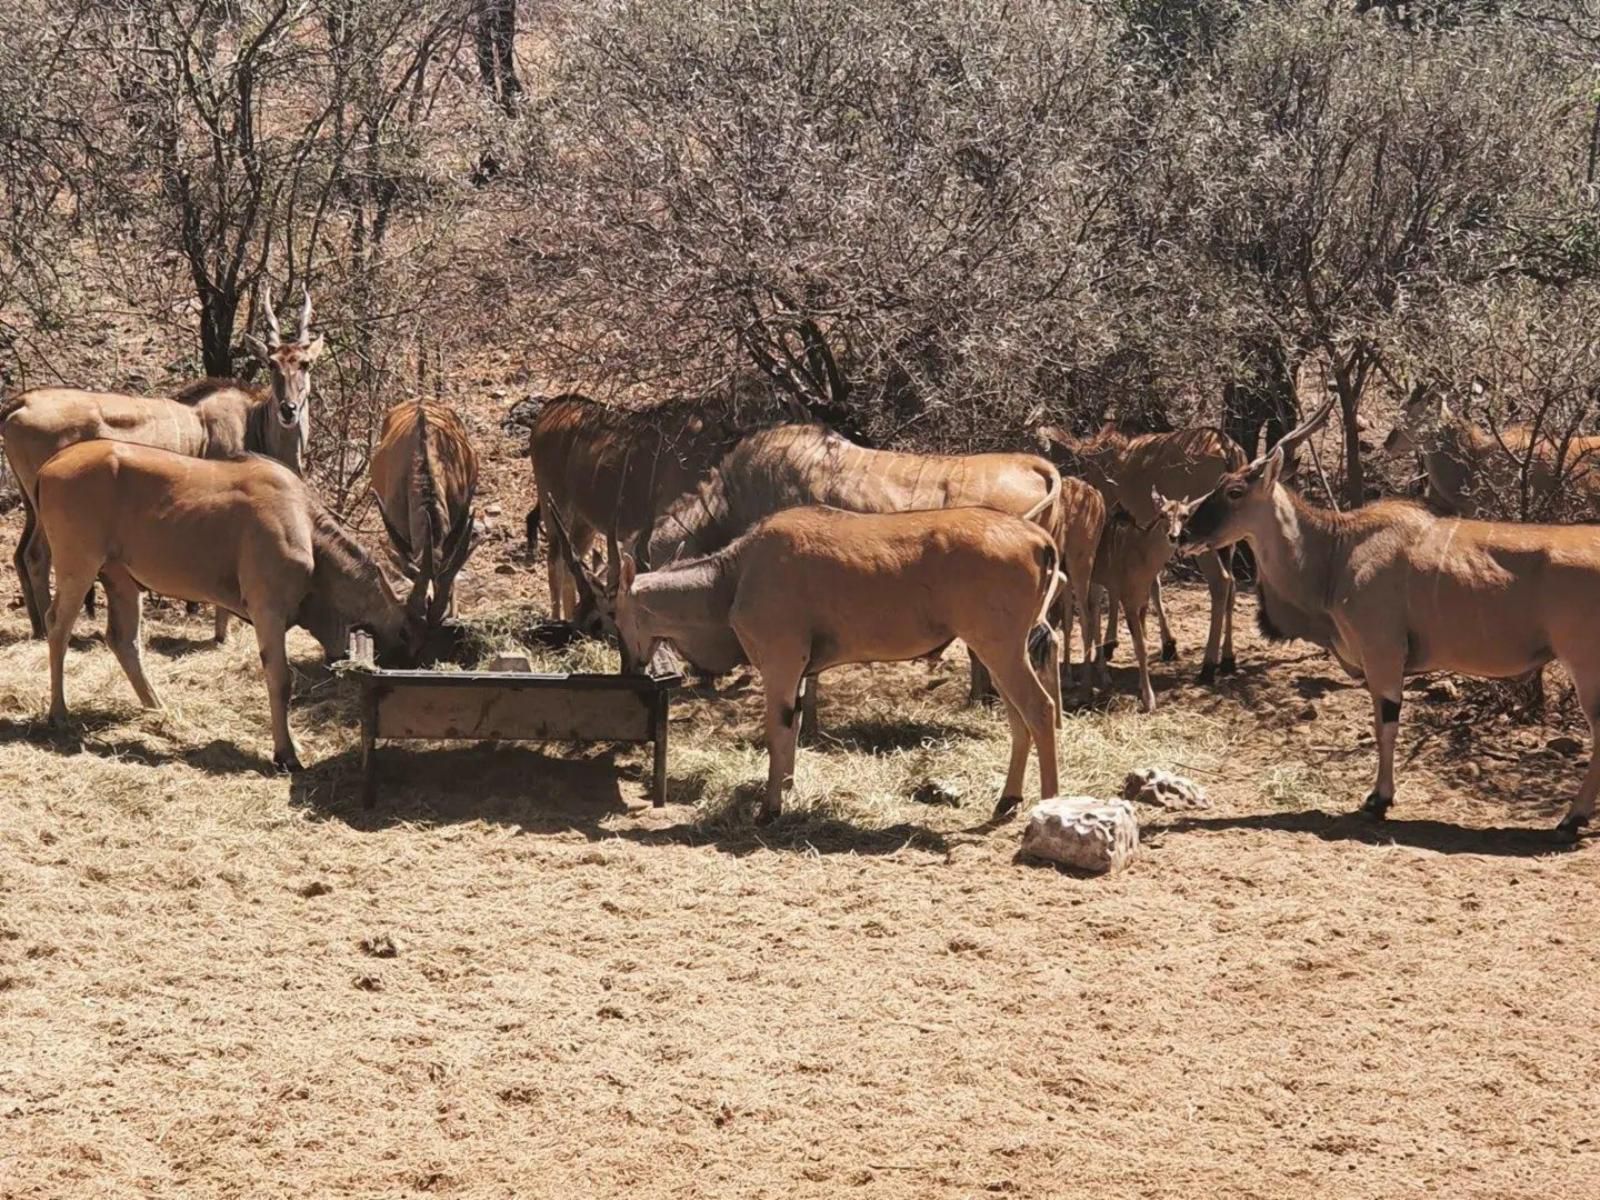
<point>1393,590</point>
<point>816,587</point>
<point>245,534</point>
<point>424,477</point>
<point>211,418</point>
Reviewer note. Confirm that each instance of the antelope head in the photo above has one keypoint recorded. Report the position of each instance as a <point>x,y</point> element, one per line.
<point>290,366</point>
<point>1241,498</point>
<point>606,608</point>
<point>1422,416</point>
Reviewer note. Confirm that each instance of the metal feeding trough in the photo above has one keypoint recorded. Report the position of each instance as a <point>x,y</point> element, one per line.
<point>507,705</point>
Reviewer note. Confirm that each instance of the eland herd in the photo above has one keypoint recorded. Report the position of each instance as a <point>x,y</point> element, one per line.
<point>788,547</point>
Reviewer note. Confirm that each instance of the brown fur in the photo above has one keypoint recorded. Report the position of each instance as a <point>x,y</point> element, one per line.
<point>1181,465</point>
<point>1126,566</point>
<point>244,534</point>
<point>600,469</point>
<point>814,587</point>
<point>209,418</point>
<point>1393,590</point>
<point>424,475</point>
<point>793,465</point>
<point>1470,468</point>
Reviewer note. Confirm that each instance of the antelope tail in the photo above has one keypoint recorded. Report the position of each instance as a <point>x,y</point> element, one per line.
<point>1049,502</point>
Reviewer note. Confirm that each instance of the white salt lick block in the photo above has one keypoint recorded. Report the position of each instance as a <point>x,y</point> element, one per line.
<point>1082,832</point>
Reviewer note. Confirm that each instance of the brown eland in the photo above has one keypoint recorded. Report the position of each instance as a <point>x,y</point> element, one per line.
<point>1475,472</point>
<point>1393,590</point>
<point>599,468</point>
<point>788,466</point>
<point>1181,465</point>
<point>211,418</point>
<point>245,534</point>
<point>424,477</point>
<point>814,587</point>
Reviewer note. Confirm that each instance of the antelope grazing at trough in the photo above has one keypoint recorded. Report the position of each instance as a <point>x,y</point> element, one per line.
<point>212,418</point>
<point>245,534</point>
<point>788,466</point>
<point>424,476</point>
<point>601,468</point>
<point>812,588</point>
<point>1126,566</point>
<point>1181,465</point>
<point>1473,472</point>
<point>1393,590</point>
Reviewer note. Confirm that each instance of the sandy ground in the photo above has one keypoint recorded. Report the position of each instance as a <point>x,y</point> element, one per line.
<point>513,978</point>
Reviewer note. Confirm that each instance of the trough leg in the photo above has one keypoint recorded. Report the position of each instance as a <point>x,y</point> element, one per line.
<point>369,747</point>
<point>658,773</point>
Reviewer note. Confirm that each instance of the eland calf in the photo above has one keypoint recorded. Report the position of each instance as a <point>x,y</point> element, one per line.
<point>1126,568</point>
<point>245,534</point>
<point>815,587</point>
<point>1393,590</point>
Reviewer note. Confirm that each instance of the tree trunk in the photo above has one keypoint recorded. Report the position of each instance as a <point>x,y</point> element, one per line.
<point>218,309</point>
<point>495,33</point>
<point>1355,481</point>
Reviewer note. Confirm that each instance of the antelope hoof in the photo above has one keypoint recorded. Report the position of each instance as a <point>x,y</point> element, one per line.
<point>1377,807</point>
<point>57,718</point>
<point>1570,826</point>
<point>1169,649</point>
<point>288,761</point>
<point>1208,673</point>
<point>767,814</point>
<point>1228,665</point>
<point>1005,806</point>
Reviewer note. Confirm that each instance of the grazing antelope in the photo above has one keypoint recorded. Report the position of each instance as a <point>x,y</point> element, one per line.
<point>1181,465</point>
<point>1393,590</point>
<point>1126,568</point>
<point>1469,468</point>
<point>212,418</point>
<point>792,465</point>
<point>601,468</point>
<point>814,587</point>
<point>424,476</point>
<point>245,534</point>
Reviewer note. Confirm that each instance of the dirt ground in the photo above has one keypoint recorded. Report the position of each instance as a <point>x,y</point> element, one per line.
<point>514,978</point>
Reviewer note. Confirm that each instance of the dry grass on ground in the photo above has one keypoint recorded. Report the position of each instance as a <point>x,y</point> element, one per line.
<point>515,978</point>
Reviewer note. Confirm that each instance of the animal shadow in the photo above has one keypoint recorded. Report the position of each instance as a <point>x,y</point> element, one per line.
<point>1507,841</point>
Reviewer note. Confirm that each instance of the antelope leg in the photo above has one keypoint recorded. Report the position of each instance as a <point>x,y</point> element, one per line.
<point>1030,712</point>
<point>1583,807</point>
<point>783,727</point>
<point>124,610</point>
<point>1169,644</point>
<point>35,552</point>
<point>275,664</point>
<point>809,728</point>
<point>63,615</point>
<point>1135,618</point>
<point>19,560</point>
<point>1386,726</point>
<point>221,630</point>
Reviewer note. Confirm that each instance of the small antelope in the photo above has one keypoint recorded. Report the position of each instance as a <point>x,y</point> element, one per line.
<point>1126,567</point>
<point>212,418</point>
<point>424,476</point>
<point>1393,590</point>
<point>1183,464</point>
<point>814,587</point>
<point>244,534</point>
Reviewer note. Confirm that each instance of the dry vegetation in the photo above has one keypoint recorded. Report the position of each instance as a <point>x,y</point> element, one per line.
<point>514,977</point>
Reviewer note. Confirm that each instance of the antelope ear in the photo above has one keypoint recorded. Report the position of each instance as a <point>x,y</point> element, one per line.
<point>257,347</point>
<point>1157,498</point>
<point>314,349</point>
<point>626,575</point>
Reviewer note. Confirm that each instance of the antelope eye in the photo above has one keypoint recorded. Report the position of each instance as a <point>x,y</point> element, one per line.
<point>1237,491</point>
